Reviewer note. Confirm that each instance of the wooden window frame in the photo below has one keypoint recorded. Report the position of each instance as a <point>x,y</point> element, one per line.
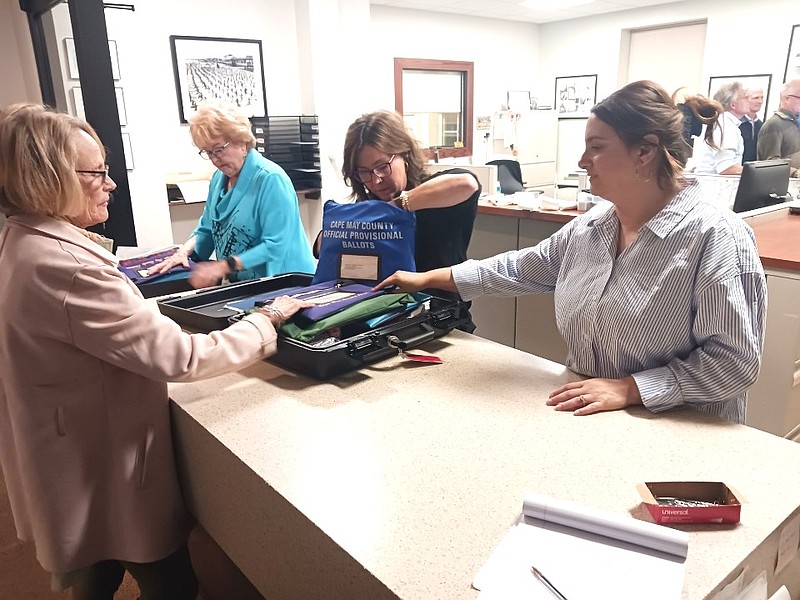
<point>421,64</point>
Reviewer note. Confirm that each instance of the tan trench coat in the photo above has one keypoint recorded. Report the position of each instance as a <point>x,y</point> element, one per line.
<point>85,440</point>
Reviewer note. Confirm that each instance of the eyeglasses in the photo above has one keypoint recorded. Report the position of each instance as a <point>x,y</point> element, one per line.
<point>382,170</point>
<point>104,173</point>
<point>215,153</point>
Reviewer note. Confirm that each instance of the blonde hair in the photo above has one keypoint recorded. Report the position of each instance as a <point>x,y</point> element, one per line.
<point>38,158</point>
<point>215,119</point>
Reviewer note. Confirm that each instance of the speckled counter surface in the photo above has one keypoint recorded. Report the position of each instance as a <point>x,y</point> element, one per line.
<point>398,480</point>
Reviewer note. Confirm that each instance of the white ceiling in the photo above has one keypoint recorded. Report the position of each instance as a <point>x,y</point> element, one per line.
<point>512,10</point>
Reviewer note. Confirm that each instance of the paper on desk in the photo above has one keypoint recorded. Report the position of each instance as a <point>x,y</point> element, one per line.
<point>194,191</point>
<point>583,563</point>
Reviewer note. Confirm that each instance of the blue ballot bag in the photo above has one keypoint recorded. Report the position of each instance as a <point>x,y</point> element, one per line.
<point>365,241</point>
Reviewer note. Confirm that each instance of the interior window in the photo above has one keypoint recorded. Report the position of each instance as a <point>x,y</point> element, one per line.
<point>435,99</point>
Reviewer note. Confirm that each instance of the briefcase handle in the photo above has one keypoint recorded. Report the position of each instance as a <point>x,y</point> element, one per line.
<point>428,334</point>
<point>372,347</point>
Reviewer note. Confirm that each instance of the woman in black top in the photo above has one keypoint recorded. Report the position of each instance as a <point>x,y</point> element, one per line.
<point>383,161</point>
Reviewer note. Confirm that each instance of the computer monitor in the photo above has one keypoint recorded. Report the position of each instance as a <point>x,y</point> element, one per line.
<point>762,183</point>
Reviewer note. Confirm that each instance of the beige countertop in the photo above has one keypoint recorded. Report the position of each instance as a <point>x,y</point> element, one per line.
<point>397,481</point>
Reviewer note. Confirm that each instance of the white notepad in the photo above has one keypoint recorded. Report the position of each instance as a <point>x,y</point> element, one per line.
<point>585,553</point>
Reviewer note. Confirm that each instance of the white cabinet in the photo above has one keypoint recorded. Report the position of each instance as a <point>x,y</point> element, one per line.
<point>527,322</point>
<point>774,401</point>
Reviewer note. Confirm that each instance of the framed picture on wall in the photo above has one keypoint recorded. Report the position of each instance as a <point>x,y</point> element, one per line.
<point>80,111</point>
<point>793,57</point>
<point>127,150</point>
<point>750,82</point>
<point>518,101</point>
<point>72,60</point>
<point>575,95</point>
<point>226,69</point>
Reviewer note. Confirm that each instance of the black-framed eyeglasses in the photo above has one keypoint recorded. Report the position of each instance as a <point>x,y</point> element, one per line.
<point>382,170</point>
<point>215,153</point>
<point>104,172</point>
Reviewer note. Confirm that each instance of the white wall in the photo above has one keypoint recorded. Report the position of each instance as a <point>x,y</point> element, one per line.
<point>741,38</point>
<point>505,55</point>
<point>160,143</point>
<point>17,64</point>
<point>335,58</point>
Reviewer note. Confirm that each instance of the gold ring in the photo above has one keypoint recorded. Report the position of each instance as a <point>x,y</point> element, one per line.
<point>583,400</point>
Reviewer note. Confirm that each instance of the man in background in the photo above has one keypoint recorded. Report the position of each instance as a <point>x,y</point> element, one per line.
<point>780,135</point>
<point>751,124</point>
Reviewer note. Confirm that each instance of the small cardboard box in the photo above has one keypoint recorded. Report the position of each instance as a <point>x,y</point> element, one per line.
<point>674,502</point>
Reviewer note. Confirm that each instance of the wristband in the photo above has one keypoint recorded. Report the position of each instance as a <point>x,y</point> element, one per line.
<point>232,264</point>
<point>271,310</point>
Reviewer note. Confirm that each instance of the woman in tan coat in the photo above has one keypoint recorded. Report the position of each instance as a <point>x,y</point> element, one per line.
<point>85,437</point>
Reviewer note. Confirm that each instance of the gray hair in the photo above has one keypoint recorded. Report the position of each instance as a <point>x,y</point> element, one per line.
<point>787,87</point>
<point>728,93</point>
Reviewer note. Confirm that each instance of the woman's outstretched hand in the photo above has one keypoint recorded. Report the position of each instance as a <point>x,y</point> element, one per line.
<point>406,281</point>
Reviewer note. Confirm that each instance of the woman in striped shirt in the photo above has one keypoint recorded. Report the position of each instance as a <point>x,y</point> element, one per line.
<point>660,296</point>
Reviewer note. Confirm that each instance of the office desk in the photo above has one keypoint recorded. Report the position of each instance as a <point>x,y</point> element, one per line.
<point>396,482</point>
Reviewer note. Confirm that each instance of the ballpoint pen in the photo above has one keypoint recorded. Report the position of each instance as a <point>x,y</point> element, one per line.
<point>553,589</point>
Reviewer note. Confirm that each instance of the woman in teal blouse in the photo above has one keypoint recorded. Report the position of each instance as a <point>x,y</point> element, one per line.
<point>251,221</point>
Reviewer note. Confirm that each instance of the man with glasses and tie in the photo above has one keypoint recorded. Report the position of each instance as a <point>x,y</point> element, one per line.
<point>780,135</point>
<point>251,221</point>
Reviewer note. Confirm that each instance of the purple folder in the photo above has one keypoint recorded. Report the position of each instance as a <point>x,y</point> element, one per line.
<point>330,297</point>
<point>136,268</point>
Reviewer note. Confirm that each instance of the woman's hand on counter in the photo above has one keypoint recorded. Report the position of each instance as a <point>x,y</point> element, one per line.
<point>595,395</point>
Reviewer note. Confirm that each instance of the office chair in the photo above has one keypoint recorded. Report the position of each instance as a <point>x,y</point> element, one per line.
<point>509,175</point>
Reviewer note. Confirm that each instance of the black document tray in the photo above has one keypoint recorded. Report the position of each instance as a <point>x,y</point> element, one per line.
<point>205,311</point>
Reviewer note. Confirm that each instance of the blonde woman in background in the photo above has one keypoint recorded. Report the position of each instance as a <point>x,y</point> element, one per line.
<point>251,221</point>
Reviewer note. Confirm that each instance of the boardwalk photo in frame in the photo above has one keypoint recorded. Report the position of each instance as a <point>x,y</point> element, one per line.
<point>218,69</point>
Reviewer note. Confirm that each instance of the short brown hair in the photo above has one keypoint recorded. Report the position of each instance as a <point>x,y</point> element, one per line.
<point>644,108</point>
<point>220,119</point>
<point>38,157</point>
<point>386,131</point>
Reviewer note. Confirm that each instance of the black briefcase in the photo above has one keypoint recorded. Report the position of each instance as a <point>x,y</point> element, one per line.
<point>207,311</point>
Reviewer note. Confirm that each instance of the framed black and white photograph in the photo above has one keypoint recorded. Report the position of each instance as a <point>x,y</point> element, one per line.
<point>749,82</point>
<point>72,60</point>
<point>518,101</point>
<point>127,150</point>
<point>793,57</point>
<point>123,113</point>
<point>77,103</point>
<point>79,111</point>
<point>218,69</point>
<point>575,95</point>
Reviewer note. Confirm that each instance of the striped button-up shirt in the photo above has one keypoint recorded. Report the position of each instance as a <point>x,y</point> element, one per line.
<point>682,309</point>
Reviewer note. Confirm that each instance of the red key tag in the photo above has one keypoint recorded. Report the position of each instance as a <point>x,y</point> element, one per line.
<point>423,358</point>
<point>430,359</point>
